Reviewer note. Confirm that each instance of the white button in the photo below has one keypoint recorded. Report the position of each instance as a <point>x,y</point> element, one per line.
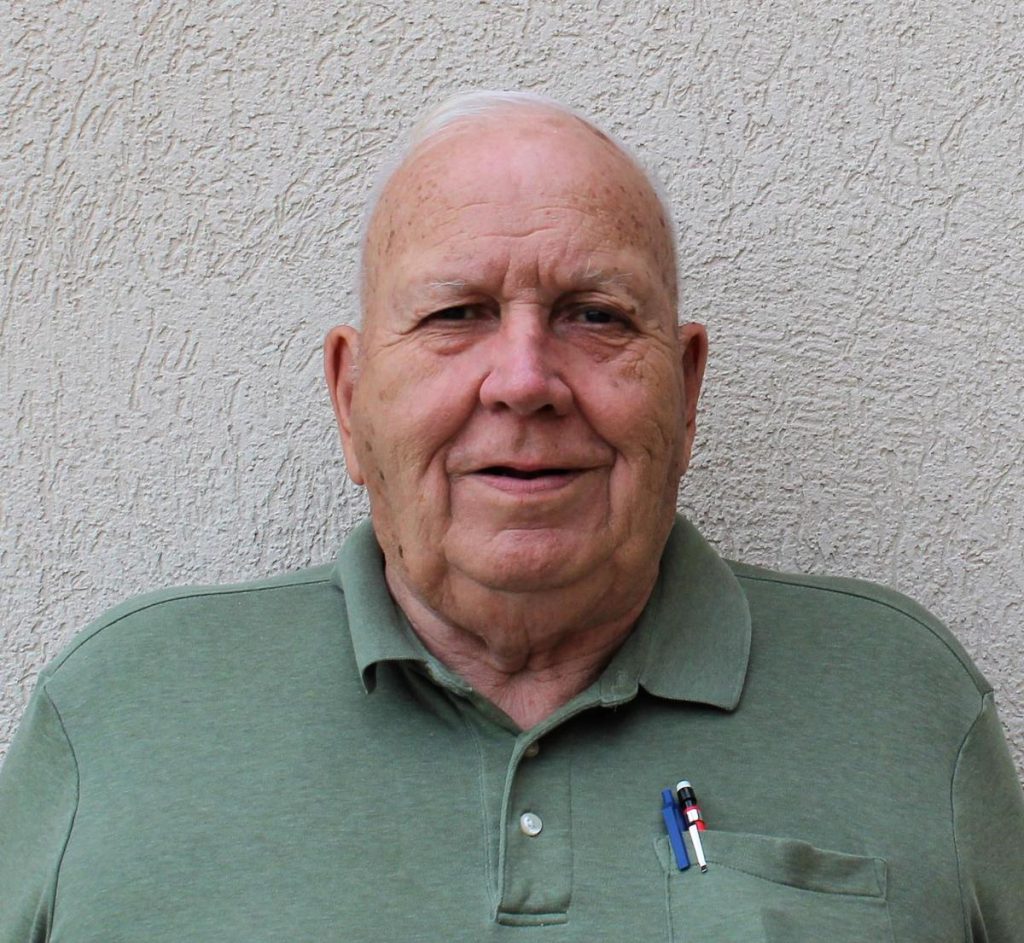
<point>530,824</point>
<point>532,750</point>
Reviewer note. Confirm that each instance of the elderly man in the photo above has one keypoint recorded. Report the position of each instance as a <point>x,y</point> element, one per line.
<point>463,730</point>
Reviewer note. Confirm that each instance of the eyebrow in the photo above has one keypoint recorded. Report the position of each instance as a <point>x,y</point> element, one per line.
<point>601,277</point>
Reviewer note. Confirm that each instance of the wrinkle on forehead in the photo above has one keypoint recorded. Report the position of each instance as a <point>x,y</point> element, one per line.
<point>586,278</point>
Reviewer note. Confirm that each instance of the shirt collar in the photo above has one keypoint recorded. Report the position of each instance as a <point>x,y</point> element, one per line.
<point>692,642</point>
<point>380,632</point>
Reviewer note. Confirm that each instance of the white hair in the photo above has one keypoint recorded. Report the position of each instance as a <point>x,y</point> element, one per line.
<point>487,105</point>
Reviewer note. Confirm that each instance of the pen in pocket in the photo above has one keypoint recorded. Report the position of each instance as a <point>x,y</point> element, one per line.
<point>694,820</point>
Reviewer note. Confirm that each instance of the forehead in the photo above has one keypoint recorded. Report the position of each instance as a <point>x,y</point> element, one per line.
<point>546,181</point>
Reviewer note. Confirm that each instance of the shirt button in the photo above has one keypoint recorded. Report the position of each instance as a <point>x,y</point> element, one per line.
<point>530,824</point>
<point>532,750</point>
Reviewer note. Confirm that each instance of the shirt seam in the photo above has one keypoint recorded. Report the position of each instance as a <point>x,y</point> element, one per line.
<point>867,597</point>
<point>952,811</point>
<point>52,903</point>
<point>177,596</point>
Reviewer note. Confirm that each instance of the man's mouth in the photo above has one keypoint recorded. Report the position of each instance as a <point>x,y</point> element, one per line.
<point>525,481</point>
<point>506,471</point>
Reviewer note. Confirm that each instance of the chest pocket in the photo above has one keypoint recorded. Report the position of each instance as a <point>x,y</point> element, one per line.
<point>762,889</point>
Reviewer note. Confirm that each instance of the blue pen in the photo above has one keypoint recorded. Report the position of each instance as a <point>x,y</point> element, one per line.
<point>674,826</point>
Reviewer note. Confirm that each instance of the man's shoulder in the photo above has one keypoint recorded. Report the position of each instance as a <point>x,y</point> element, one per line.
<point>199,615</point>
<point>861,612</point>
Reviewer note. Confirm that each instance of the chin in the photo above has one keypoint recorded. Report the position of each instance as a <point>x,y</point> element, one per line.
<point>531,561</point>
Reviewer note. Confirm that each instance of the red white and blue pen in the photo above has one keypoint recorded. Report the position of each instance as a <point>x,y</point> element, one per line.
<point>694,820</point>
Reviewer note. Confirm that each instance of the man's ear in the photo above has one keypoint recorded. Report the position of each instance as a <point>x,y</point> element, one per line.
<point>693,353</point>
<point>341,356</point>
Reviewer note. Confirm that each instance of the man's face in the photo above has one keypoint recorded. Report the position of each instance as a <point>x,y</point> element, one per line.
<point>520,404</point>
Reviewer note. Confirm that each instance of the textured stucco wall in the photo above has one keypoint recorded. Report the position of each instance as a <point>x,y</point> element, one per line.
<point>180,186</point>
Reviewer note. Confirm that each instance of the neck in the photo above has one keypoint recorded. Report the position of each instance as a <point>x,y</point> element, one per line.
<point>521,651</point>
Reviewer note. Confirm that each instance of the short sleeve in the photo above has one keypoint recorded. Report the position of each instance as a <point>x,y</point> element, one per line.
<point>38,796</point>
<point>988,822</point>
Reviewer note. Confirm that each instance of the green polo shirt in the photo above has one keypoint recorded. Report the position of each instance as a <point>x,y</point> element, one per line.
<point>283,760</point>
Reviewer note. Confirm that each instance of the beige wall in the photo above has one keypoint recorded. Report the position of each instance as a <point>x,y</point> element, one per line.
<point>180,186</point>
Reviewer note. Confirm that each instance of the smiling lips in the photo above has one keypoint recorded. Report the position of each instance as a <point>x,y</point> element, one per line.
<point>526,473</point>
<point>526,480</point>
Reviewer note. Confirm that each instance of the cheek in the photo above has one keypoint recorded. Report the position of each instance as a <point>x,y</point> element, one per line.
<point>408,412</point>
<point>638,409</point>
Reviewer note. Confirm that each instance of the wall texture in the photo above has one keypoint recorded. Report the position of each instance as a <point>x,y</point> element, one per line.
<point>180,186</point>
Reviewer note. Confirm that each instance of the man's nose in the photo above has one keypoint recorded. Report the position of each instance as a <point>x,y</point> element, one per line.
<point>525,372</point>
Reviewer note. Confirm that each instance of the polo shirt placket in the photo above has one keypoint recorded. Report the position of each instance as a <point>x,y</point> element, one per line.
<point>529,828</point>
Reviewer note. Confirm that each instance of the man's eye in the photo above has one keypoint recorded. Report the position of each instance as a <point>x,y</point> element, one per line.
<point>455,313</point>
<point>597,316</point>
